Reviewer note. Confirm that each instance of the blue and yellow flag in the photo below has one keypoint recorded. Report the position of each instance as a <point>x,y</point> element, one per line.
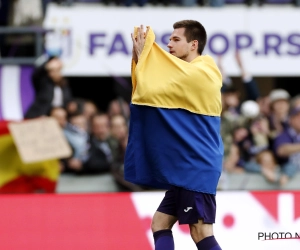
<point>174,134</point>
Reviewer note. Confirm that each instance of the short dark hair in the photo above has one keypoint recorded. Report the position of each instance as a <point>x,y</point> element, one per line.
<point>193,31</point>
<point>98,114</point>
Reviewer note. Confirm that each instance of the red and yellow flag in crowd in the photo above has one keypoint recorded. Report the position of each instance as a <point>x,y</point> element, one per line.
<point>18,177</point>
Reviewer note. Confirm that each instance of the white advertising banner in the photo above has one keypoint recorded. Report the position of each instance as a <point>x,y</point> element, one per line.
<point>260,220</point>
<point>95,40</point>
<point>244,220</point>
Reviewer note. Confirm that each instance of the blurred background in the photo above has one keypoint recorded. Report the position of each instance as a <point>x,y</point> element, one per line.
<point>70,61</point>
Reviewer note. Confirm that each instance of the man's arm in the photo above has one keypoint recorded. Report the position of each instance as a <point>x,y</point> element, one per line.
<point>134,56</point>
<point>285,150</point>
<point>252,91</point>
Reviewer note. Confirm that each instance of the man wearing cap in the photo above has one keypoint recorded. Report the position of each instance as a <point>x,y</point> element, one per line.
<point>279,105</point>
<point>287,146</point>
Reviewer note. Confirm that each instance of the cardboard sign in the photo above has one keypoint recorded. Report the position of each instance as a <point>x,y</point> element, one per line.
<point>39,140</point>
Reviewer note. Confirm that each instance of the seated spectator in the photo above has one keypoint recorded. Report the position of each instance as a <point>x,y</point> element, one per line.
<point>80,105</point>
<point>230,116</point>
<point>287,146</point>
<point>101,151</point>
<point>51,88</point>
<point>269,167</point>
<point>295,101</point>
<point>75,105</point>
<point>264,105</point>
<point>279,106</point>
<point>89,110</point>
<point>119,131</point>
<point>60,114</point>
<point>76,132</point>
<point>253,145</point>
<point>118,107</point>
<point>232,161</point>
<point>242,140</point>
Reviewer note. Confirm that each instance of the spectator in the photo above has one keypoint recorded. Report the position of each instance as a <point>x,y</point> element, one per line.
<point>232,162</point>
<point>269,167</point>
<point>295,101</point>
<point>119,131</point>
<point>76,132</point>
<point>252,152</point>
<point>249,83</point>
<point>27,13</point>
<point>264,105</point>
<point>101,151</point>
<point>118,107</point>
<point>75,105</point>
<point>89,110</point>
<point>231,114</point>
<point>279,105</point>
<point>51,87</point>
<point>287,146</point>
<point>60,114</point>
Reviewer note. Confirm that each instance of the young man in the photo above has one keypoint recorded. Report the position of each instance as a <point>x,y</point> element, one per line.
<point>174,134</point>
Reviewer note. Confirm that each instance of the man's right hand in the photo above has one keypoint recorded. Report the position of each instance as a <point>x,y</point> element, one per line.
<point>138,43</point>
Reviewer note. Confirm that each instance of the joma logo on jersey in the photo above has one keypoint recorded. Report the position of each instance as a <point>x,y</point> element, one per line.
<point>187,209</point>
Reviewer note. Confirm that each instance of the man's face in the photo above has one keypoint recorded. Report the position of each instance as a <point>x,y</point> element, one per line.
<point>80,122</point>
<point>281,107</point>
<point>178,45</point>
<point>118,127</point>
<point>54,68</point>
<point>231,100</point>
<point>100,127</point>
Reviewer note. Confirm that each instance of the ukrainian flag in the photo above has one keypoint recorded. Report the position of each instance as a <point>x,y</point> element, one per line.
<point>174,134</point>
<point>18,177</point>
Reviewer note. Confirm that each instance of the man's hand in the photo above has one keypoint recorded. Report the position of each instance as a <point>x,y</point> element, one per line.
<point>75,164</point>
<point>138,43</point>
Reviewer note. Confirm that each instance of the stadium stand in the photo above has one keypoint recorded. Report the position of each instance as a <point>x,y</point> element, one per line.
<point>18,80</point>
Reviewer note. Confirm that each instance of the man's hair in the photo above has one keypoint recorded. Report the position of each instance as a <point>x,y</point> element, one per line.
<point>98,114</point>
<point>193,31</point>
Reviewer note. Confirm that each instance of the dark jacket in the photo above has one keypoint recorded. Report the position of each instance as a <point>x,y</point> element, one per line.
<point>99,159</point>
<point>42,103</point>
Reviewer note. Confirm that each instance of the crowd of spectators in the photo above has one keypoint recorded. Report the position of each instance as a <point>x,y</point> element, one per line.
<point>261,134</point>
<point>98,139</point>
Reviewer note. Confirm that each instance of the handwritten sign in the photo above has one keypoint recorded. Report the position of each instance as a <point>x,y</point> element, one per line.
<point>39,140</point>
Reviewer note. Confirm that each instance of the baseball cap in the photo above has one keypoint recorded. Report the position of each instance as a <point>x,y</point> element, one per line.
<point>294,111</point>
<point>279,94</point>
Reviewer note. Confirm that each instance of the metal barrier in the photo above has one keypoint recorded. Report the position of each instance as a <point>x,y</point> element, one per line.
<point>39,43</point>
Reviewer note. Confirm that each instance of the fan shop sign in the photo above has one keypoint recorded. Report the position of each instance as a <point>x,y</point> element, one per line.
<point>95,40</point>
